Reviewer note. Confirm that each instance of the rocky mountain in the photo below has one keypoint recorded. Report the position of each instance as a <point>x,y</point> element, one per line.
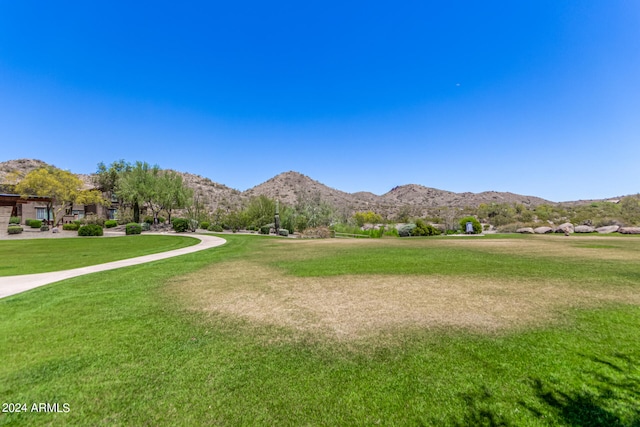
<point>18,168</point>
<point>213,194</point>
<point>290,186</point>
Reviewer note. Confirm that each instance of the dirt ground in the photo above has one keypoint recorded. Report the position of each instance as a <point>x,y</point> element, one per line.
<point>357,306</point>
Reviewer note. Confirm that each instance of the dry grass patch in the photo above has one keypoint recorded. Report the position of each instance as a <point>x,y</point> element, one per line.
<point>358,306</point>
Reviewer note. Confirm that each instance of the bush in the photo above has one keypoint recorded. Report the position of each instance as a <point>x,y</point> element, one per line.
<point>215,227</point>
<point>283,232</point>
<point>70,226</point>
<point>14,229</point>
<point>205,225</point>
<point>14,220</point>
<point>133,228</point>
<point>93,219</point>
<point>35,223</point>
<point>44,228</point>
<point>27,222</point>
<point>148,219</point>
<point>161,219</point>
<point>423,229</point>
<point>180,224</point>
<point>145,226</point>
<point>405,230</point>
<point>477,227</point>
<point>265,229</point>
<point>110,223</point>
<point>90,230</point>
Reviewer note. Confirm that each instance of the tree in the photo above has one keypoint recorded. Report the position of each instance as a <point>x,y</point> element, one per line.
<point>477,227</point>
<point>63,188</point>
<point>260,211</point>
<point>106,178</point>
<point>137,185</point>
<point>368,217</point>
<point>630,209</point>
<point>171,193</point>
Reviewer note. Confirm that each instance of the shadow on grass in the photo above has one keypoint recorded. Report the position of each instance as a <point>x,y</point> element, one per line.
<point>609,396</point>
<point>479,411</point>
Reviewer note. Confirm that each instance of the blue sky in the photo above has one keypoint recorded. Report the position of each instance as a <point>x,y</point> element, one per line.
<point>536,97</point>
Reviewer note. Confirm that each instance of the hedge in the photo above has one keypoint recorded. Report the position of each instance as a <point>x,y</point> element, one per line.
<point>14,229</point>
<point>110,223</point>
<point>180,224</point>
<point>90,230</point>
<point>133,228</point>
<point>35,223</point>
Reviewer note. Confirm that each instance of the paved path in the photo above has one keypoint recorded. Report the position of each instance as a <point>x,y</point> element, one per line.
<point>11,285</point>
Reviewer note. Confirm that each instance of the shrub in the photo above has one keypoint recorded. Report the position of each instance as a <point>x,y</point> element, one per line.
<point>27,222</point>
<point>205,225</point>
<point>70,226</point>
<point>148,219</point>
<point>161,219</point>
<point>405,230</point>
<point>215,227</point>
<point>14,220</point>
<point>477,227</point>
<point>145,226</point>
<point>14,229</point>
<point>90,230</point>
<point>423,229</point>
<point>93,219</point>
<point>265,229</point>
<point>110,223</point>
<point>44,228</point>
<point>180,224</point>
<point>35,223</point>
<point>283,232</point>
<point>133,228</point>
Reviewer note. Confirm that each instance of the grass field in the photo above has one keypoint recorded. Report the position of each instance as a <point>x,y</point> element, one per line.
<point>536,330</point>
<point>43,255</point>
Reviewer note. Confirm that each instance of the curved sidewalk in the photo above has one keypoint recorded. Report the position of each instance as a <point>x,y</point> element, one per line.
<point>11,285</point>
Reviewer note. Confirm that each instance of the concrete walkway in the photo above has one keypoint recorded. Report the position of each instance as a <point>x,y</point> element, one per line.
<point>11,285</point>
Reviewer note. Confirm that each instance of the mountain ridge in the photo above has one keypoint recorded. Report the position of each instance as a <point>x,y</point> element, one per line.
<point>291,186</point>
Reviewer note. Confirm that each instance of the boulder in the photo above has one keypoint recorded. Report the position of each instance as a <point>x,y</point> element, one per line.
<point>565,228</point>
<point>543,230</point>
<point>584,229</point>
<point>525,230</point>
<point>629,230</point>
<point>608,229</point>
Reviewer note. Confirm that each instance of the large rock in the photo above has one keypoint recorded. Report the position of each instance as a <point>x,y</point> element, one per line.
<point>584,229</point>
<point>543,230</point>
<point>567,227</point>
<point>629,230</point>
<point>525,230</point>
<point>608,229</point>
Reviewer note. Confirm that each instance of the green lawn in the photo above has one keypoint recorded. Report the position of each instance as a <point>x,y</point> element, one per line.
<point>43,255</point>
<point>134,347</point>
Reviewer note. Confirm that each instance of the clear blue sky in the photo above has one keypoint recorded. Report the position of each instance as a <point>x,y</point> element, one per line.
<point>533,97</point>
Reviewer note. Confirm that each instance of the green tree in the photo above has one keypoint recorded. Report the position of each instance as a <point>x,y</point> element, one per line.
<point>63,188</point>
<point>477,227</point>
<point>107,177</point>
<point>260,211</point>
<point>368,217</point>
<point>630,209</point>
<point>137,185</point>
<point>171,193</point>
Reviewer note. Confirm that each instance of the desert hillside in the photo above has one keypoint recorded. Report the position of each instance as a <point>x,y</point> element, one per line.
<point>289,187</point>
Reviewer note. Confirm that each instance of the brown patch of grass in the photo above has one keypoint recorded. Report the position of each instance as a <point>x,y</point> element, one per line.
<point>353,307</point>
